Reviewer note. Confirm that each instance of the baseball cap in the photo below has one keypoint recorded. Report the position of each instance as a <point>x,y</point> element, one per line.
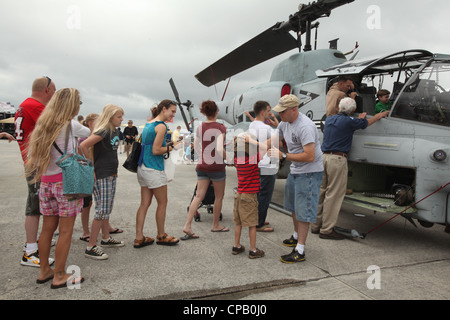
<point>286,102</point>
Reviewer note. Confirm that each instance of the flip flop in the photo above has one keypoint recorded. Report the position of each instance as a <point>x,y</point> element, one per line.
<point>117,230</point>
<point>38,281</point>
<point>265,228</point>
<point>85,238</point>
<point>221,230</point>
<point>189,236</point>
<point>65,284</point>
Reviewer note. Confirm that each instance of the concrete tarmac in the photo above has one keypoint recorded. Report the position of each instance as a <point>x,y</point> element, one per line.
<point>409,263</point>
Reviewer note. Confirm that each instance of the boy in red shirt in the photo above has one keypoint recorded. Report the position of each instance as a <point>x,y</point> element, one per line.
<point>246,160</point>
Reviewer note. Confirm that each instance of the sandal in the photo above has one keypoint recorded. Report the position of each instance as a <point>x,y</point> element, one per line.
<point>165,240</point>
<point>143,243</point>
<point>189,236</point>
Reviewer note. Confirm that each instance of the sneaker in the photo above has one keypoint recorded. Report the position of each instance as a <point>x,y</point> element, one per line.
<point>293,257</point>
<point>111,242</point>
<point>257,254</point>
<point>291,242</point>
<point>32,260</point>
<point>95,253</point>
<point>236,250</point>
<point>52,244</point>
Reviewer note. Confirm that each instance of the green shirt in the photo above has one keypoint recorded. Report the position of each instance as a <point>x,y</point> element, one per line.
<point>380,107</point>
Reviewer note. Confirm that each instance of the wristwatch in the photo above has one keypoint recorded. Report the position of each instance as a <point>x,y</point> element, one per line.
<point>284,155</point>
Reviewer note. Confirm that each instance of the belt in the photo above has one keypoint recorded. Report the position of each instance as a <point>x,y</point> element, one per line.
<point>342,154</point>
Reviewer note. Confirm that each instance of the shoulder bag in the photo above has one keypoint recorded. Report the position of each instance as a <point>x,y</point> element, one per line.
<point>131,164</point>
<point>78,172</point>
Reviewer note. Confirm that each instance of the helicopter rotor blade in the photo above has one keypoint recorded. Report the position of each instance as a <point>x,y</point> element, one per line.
<point>270,43</point>
<point>175,91</point>
<point>263,47</point>
<point>180,105</point>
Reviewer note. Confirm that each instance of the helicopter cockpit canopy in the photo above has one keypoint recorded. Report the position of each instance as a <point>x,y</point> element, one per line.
<point>420,84</point>
<point>426,96</point>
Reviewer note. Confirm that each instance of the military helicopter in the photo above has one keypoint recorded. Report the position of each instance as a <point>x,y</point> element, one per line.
<point>399,165</point>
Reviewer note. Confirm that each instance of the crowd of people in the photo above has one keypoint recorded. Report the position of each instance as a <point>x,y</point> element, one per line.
<point>314,188</point>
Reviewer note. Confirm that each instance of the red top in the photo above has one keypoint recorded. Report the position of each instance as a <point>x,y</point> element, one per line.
<point>25,120</point>
<point>248,174</point>
<point>209,159</point>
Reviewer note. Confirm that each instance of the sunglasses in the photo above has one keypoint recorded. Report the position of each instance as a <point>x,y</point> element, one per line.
<point>49,81</point>
<point>169,103</point>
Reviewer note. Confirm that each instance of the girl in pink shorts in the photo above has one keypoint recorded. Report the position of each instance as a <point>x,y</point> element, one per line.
<point>58,211</point>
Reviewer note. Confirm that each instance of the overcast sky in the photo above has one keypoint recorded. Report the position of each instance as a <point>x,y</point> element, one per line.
<point>125,52</point>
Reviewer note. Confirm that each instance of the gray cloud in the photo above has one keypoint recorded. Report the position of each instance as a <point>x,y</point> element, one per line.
<point>125,52</point>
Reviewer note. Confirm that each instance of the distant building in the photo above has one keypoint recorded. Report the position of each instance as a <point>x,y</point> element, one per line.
<point>7,111</point>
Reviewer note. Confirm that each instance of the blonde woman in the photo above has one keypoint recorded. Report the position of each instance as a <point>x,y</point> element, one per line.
<point>87,201</point>
<point>56,209</point>
<point>105,142</point>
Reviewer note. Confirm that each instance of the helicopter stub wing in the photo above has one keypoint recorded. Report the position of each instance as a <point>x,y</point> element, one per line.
<point>263,47</point>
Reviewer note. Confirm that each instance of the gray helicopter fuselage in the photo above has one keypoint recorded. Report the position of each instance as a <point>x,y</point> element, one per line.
<point>394,150</point>
<point>298,71</point>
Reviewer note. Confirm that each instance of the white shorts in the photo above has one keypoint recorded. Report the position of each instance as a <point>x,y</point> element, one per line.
<point>151,178</point>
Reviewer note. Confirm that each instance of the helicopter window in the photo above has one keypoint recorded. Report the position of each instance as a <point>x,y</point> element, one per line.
<point>252,114</point>
<point>365,100</point>
<point>339,55</point>
<point>426,97</point>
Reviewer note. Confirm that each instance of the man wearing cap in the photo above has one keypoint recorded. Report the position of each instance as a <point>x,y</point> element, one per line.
<point>337,141</point>
<point>302,187</point>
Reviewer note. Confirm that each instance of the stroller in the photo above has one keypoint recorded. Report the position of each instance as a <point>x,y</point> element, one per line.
<point>207,202</point>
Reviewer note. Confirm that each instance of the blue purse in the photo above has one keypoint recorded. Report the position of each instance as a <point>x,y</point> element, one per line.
<point>78,172</point>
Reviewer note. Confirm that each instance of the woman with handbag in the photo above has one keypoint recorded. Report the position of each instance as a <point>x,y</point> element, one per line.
<point>151,175</point>
<point>105,140</point>
<point>57,209</point>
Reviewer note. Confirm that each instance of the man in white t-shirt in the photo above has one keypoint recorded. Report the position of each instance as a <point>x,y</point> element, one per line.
<point>267,170</point>
<point>302,188</point>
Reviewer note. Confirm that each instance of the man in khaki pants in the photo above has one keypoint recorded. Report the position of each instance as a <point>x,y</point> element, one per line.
<point>337,141</point>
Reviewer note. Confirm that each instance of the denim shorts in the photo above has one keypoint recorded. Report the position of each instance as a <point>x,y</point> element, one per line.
<point>301,195</point>
<point>213,176</point>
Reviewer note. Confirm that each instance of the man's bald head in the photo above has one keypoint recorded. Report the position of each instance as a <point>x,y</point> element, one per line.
<point>43,89</point>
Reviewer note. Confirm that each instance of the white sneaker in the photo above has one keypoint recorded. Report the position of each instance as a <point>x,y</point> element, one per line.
<point>52,244</point>
<point>32,260</point>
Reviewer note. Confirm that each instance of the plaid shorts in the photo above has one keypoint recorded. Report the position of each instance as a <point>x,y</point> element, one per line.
<point>53,203</point>
<point>104,192</point>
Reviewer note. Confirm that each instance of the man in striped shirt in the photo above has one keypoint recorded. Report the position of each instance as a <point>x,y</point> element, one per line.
<point>246,158</point>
